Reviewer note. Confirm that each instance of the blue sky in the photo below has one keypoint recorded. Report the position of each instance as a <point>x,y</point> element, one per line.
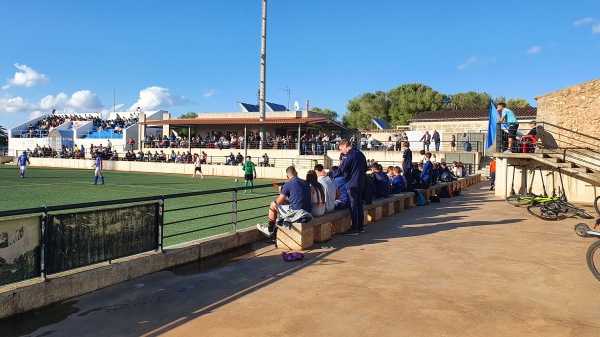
<point>203,56</point>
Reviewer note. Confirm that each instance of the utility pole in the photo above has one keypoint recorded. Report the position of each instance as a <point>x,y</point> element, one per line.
<point>263,72</point>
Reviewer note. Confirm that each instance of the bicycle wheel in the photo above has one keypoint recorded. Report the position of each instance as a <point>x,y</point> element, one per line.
<point>583,214</point>
<point>596,204</point>
<point>519,200</point>
<point>543,212</point>
<point>581,230</point>
<point>593,259</point>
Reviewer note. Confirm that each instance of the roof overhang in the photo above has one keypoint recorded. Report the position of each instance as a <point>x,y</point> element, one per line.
<point>306,121</point>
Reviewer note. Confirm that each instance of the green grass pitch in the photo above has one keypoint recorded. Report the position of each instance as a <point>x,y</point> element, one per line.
<point>58,186</point>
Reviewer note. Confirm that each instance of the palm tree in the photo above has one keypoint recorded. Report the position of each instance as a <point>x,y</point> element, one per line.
<point>3,136</point>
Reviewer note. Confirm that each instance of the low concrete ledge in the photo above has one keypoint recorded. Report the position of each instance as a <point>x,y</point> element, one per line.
<point>37,293</point>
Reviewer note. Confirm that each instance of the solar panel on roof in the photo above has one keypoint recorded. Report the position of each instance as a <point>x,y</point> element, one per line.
<point>381,124</point>
<point>249,107</point>
<point>275,107</point>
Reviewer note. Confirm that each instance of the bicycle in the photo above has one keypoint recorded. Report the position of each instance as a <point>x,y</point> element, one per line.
<point>520,199</point>
<point>592,256</point>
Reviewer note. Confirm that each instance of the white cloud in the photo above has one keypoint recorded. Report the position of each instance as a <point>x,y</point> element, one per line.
<point>15,104</point>
<point>583,21</point>
<point>534,50</point>
<point>473,60</point>
<point>467,63</point>
<point>209,93</point>
<point>26,77</point>
<point>83,101</point>
<point>596,28</point>
<point>36,114</point>
<point>156,97</point>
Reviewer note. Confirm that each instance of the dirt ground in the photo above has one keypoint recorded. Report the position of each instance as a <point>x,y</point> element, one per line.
<point>468,266</point>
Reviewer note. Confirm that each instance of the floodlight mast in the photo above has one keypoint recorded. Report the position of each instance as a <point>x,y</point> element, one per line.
<point>263,71</point>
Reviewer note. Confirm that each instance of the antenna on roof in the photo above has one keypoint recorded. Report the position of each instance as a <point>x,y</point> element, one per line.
<point>296,106</point>
<point>288,92</point>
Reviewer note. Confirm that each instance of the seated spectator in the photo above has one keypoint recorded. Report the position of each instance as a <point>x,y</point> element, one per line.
<point>114,155</point>
<point>265,161</point>
<point>140,156</point>
<point>422,153</point>
<point>129,156</point>
<point>381,181</point>
<point>415,177</point>
<point>331,190</point>
<point>436,173</point>
<point>203,159</point>
<point>390,144</point>
<point>239,159</point>
<point>390,172</point>
<point>341,201</point>
<point>178,159</point>
<point>317,194</point>
<point>457,171</point>
<point>368,190</point>
<point>296,208</point>
<point>398,183</point>
<point>231,159</point>
<point>173,156</point>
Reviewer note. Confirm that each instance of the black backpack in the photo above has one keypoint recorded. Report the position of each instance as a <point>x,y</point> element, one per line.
<point>445,192</point>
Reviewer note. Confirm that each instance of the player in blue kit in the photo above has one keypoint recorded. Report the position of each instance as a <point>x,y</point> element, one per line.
<point>98,171</point>
<point>23,161</point>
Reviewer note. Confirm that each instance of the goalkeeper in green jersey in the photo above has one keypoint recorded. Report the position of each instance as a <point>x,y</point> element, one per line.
<point>249,173</point>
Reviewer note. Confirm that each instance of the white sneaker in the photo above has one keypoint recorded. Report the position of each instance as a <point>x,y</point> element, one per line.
<point>264,229</point>
<point>508,151</point>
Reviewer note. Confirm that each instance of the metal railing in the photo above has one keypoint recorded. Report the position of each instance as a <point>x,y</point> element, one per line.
<point>177,218</point>
<point>557,141</point>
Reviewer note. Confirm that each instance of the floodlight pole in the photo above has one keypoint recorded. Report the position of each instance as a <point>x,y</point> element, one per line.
<point>263,72</point>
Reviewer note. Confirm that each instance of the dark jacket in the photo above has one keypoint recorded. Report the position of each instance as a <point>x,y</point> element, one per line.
<point>352,168</point>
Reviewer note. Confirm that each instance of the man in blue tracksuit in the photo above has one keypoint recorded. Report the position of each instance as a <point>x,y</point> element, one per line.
<point>353,168</point>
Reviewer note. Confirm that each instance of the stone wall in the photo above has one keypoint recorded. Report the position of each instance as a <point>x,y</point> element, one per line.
<point>574,108</point>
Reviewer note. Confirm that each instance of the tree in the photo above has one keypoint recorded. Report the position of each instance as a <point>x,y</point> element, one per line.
<point>3,136</point>
<point>470,100</point>
<point>189,115</point>
<point>515,103</point>
<point>325,111</point>
<point>361,109</point>
<point>408,100</point>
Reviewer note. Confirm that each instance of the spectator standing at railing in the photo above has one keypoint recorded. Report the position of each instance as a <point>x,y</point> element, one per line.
<point>23,160</point>
<point>370,142</point>
<point>353,168</point>
<point>465,141</point>
<point>109,145</point>
<point>437,140</point>
<point>390,144</point>
<point>426,139</point>
<point>453,144</point>
<point>507,116</point>
<point>363,142</point>
<point>249,173</point>
<point>331,190</point>
<point>130,143</point>
<point>325,141</point>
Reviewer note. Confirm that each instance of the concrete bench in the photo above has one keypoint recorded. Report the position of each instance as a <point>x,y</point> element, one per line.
<point>301,236</point>
<point>388,206</point>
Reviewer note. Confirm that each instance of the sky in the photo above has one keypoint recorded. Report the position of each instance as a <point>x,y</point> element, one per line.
<point>204,56</point>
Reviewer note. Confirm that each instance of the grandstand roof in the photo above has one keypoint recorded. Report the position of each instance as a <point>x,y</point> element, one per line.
<point>248,121</point>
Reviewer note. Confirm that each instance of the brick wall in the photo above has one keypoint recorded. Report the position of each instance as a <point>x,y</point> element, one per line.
<point>575,108</point>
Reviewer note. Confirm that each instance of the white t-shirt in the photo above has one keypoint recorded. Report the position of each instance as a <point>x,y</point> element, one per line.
<point>317,210</point>
<point>330,187</point>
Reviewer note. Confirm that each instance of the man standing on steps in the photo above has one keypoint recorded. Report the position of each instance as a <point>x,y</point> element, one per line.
<point>353,168</point>
<point>249,173</point>
<point>508,116</point>
<point>197,166</point>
